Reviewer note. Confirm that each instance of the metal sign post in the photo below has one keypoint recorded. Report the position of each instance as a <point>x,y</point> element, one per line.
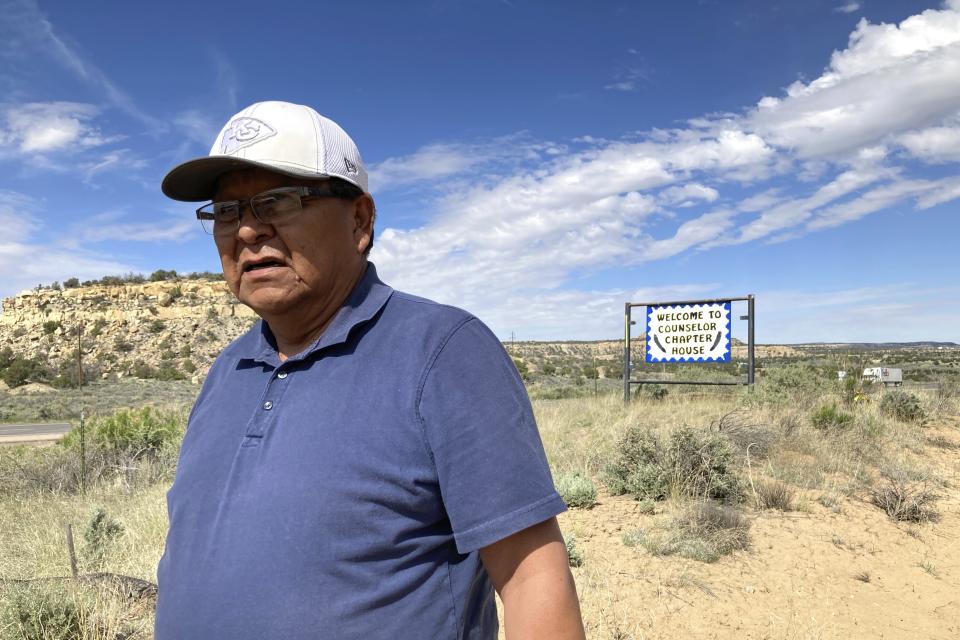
<point>688,331</point>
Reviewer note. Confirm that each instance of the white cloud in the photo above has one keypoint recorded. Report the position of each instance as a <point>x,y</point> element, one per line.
<point>434,162</point>
<point>198,127</point>
<point>26,263</point>
<point>41,127</point>
<point>890,79</point>
<point>849,7</point>
<point>427,163</point>
<point>823,155</point>
<point>795,211</point>
<point>872,201</point>
<point>118,225</point>
<point>119,159</point>
<point>935,144</point>
<point>630,77</point>
<point>760,201</point>
<point>16,215</point>
<point>578,314</point>
<point>173,230</point>
<point>941,191</point>
<point>687,195</point>
<point>26,33</point>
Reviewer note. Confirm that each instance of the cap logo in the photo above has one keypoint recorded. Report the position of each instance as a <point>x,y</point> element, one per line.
<point>243,132</point>
<point>351,168</point>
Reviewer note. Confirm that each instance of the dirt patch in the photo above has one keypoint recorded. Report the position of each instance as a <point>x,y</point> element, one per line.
<point>845,571</point>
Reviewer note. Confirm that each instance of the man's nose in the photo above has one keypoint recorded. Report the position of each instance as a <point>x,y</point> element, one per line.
<point>252,230</point>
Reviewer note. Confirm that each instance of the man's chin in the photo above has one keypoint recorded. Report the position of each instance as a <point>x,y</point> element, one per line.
<point>267,301</point>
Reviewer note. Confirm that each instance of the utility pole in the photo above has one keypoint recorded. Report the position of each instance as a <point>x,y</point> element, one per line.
<point>83,448</point>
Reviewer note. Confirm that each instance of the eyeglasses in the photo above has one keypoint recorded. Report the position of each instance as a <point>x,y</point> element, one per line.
<point>272,207</point>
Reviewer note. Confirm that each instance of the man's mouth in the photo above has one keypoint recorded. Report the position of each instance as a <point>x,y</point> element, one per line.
<point>266,264</point>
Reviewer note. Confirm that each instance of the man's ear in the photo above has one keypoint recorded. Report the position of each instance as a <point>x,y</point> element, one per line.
<point>364,216</point>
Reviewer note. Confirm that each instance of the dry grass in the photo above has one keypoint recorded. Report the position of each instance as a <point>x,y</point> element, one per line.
<point>905,501</point>
<point>773,494</point>
<point>703,531</point>
<point>874,457</point>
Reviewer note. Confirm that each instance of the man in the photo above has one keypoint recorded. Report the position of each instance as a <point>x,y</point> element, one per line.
<point>362,463</point>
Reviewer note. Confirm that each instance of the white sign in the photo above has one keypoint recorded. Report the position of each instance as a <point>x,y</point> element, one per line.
<point>689,333</point>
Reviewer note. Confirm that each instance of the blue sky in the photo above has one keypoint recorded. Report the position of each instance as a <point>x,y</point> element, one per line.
<point>537,163</point>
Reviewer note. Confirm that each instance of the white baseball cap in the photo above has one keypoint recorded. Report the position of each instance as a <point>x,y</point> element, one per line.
<point>291,139</point>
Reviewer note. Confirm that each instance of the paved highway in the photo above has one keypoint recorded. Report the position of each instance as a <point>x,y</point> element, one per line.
<point>32,432</point>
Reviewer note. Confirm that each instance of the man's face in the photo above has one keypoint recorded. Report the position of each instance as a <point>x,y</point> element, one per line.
<point>298,266</point>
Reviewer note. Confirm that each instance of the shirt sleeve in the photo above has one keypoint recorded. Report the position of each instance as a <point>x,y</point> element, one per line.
<point>479,426</point>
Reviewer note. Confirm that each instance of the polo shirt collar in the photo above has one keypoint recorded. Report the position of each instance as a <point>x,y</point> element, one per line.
<point>363,303</point>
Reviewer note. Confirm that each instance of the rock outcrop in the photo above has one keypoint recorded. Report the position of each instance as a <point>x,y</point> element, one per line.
<point>178,325</point>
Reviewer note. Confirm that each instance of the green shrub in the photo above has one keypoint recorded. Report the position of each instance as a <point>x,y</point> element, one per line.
<point>690,462</point>
<point>138,448</point>
<point>791,384</point>
<point>42,614</point>
<point>902,406</point>
<point>50,326</point>
<point>101,532</point>
<point>139,431</point>
<point>161,275</point>
<point>636,467</point>
<point>634,537</point>
<point>6,357</point>
<point>574,556</point>
<point>20,371</point>
<point>653,391</point>
<point>576,490</point>
<point>71,283</point>
<point>156,326</point>
<point>97,328</point>
<point>122,346</point>
<point>830,418</point>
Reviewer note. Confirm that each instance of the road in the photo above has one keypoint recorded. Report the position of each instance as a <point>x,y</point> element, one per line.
<point>13,433</point>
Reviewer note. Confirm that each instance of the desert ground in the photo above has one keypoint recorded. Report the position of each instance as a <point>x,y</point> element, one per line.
<point>812,573</point>
<point>807,543</point>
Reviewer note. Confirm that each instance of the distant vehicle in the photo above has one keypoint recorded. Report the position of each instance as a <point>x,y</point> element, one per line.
<point>889,377</point>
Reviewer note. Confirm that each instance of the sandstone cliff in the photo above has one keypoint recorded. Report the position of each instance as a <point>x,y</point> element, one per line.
<point>178,325</point>
<point>177,328</point>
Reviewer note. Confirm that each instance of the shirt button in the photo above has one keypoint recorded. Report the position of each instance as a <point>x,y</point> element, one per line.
<point>282,375</point>
<point>268,405</point>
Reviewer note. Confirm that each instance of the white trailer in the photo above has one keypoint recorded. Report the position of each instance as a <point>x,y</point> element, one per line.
<point>886,375</point>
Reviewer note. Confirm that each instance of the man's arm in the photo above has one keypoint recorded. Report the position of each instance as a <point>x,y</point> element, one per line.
<point>530,572</point>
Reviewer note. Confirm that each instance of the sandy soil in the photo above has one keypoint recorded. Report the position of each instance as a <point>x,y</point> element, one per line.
<point>811,573</point>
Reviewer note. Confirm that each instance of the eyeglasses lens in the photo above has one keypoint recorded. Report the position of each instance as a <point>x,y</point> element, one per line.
<point>272,208</point>
<point>223,218</point>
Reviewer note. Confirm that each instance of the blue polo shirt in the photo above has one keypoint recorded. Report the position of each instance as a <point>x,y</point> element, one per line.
<point>345,492</point>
